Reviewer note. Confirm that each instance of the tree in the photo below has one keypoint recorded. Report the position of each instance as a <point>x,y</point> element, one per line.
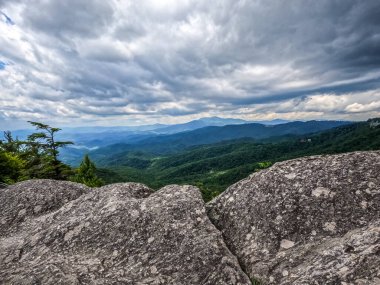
<point>44,151</point>
<point>11,167</point>
<point>10,144</point>
<point>86,173</point>
<point>37,157</point>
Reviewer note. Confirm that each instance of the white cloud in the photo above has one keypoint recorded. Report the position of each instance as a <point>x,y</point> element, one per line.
<point>146,61</point>
<point>360,108</point>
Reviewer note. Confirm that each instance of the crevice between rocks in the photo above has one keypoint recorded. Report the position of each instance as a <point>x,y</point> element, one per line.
<point>229,249</point>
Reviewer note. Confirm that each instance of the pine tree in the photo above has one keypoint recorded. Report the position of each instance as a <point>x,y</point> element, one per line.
<point>11,167</point>
<point>43,151</point>
<point>86,173</point>
<point>10,144</point>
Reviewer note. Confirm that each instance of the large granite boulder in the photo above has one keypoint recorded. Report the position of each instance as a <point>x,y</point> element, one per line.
<point>313,220</point>
<point>64,233</point>
<point>33,198</point>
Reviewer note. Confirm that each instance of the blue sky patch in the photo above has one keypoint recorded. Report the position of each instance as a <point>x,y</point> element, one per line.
<point>2,65</point>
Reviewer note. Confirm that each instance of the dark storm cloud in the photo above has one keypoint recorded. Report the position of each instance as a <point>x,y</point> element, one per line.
<point>70,59</point>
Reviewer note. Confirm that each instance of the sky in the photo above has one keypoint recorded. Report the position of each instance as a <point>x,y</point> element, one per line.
<point>114,62</point>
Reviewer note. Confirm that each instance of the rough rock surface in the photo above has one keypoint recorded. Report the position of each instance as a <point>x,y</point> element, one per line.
<point>64,233</point>
<point>34,198</point>
<point>313,220</point>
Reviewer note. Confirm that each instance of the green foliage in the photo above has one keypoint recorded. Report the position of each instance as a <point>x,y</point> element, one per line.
<point>10,144</point>
<point>86,174</point>
<point>44,150</point>
<point>37,157</point>
<point>214,167</point>
<point>11,166</point>
<point>256,281</point>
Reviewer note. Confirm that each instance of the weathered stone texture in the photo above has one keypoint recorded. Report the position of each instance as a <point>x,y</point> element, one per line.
<point>117,234</point>
<point>311,220</point>
<point>33,198</point>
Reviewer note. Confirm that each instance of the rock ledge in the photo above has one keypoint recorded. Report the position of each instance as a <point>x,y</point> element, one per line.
<point>117,234</point>
<point>312,220</point>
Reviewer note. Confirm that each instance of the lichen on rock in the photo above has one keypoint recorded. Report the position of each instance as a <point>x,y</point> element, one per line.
<point>117,234</point>
<point>312,220</point>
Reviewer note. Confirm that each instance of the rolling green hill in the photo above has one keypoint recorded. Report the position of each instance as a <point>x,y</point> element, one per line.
<point>213,167</point>
<point>169,144</point>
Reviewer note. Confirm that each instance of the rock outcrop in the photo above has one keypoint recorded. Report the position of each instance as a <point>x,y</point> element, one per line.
<point>26,200</point>
<point>313,220</point>
<point>64,233</point>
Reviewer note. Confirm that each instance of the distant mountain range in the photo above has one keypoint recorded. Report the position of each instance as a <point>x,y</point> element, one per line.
<point>201,123</point>
<point>98,136</point>
<point>102,142</point>
<point>213,134</point>
<point>170,143</point>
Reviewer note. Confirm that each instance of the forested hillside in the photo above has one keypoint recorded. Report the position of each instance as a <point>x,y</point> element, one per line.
<point>174,159</point>
<point>168,144</point>
<point>213,167</point>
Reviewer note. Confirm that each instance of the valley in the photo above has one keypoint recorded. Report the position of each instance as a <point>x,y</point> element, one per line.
<point>213,167</point>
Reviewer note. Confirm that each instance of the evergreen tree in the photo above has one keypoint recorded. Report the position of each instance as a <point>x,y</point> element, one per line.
<point>10,144</point>
<point>86,173</point>
<point>43,151</point>
<point>37,157</point>
<point>11,167</point>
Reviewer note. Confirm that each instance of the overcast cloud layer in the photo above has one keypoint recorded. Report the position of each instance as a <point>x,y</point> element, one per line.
<point>79,62</point>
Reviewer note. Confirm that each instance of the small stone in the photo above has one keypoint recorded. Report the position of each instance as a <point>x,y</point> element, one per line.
<point>371,185</point>
<point>153,269</point>
<point>343,270</point>
<point>22,213</point>
<point>290,175</point>
<point>286,244</point>
<point>37,209</point>
<point>320,191</point>
<point>329,226</point>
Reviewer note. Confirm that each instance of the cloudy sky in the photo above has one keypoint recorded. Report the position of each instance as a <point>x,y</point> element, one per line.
<point>80,62</point>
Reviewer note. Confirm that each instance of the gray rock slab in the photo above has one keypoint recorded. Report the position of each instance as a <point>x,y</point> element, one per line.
<point>312,220</point>
<point>33,198</point>
<point>117,234</point>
